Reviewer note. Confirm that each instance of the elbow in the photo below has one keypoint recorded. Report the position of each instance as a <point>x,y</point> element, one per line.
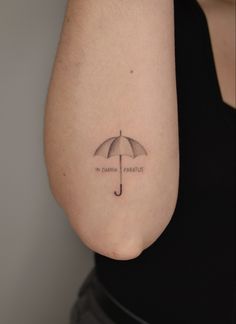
<point>108,241</point>
<point>121,251</point>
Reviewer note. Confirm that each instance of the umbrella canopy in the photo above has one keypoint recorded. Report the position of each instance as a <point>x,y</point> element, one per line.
<point>120,145</point>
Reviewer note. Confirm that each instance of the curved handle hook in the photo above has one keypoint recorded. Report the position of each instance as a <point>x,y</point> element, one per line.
<point>120,193</point>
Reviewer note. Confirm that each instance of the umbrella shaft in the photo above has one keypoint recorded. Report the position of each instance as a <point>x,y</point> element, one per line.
<point>120,169</point>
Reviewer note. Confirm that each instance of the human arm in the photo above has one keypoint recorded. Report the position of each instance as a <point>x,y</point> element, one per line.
<point>114,70</point>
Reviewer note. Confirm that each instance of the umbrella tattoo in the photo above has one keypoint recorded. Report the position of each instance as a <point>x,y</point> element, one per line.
<point>119,146</point>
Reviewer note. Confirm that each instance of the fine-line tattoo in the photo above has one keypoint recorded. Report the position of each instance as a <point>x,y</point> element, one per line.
<point>119,146</point>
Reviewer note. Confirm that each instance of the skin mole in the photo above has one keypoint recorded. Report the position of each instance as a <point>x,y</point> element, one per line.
<point>131,71</point>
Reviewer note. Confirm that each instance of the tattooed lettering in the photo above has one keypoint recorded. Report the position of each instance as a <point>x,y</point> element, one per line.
<point>128,169</point>
<point>106,169</point>
<point>133,169</point>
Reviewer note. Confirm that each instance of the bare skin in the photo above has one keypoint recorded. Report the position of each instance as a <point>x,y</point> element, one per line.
<point>114,71</point>
<point>221,20</point>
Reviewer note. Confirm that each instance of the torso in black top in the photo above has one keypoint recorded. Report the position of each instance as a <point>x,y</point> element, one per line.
<point>186,276</point>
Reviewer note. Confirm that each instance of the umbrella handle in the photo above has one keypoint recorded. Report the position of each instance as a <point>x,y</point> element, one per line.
<point>119,194</point>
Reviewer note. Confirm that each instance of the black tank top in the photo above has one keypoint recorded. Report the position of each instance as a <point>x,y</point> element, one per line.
<point>187,275</point>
